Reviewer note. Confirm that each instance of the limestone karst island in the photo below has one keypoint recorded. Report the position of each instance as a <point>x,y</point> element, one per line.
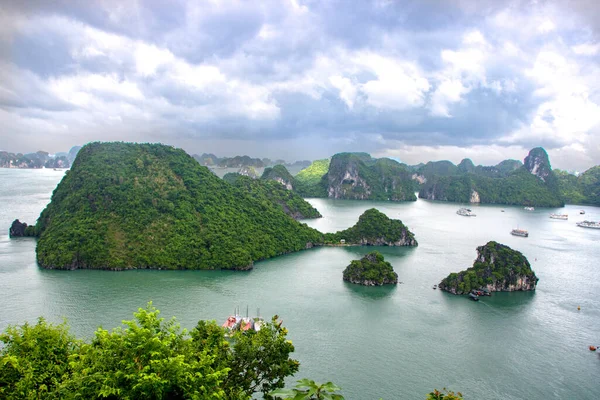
<point>129,206</point>
<point>497,268</point>
<point>371,270</point>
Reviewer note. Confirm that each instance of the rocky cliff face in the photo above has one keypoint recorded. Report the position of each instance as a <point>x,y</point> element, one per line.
<point>353,176</point>
<point>538,164</point>
<point>474,197</point>
<point>497,268</point>
<point>20,229</point>
<point>344,179</point>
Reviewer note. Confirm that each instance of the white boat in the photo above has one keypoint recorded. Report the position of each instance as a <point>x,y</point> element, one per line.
<point>519,232</point>
<point>528,208</point>
<point>589,224</point>
<point>465,212</point>
<point>581,212</point>
<point>559,216</point>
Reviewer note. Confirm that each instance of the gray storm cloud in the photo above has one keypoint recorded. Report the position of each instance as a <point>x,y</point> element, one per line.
<point>305,79</point>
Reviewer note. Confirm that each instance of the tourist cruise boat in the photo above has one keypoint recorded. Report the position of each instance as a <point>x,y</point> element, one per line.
<point>519,232</point>
<point>465,212</point>
<point>559,216</point>
<point>589,224</point>
<point>528,208</point>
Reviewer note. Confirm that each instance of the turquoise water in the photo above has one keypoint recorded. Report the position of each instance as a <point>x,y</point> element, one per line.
<point>393,342</point>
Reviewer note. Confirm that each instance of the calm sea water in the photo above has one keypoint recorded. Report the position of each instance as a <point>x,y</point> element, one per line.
<point>388,343</point>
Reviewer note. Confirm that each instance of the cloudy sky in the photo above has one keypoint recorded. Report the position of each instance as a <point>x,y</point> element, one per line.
<point>304,79</point>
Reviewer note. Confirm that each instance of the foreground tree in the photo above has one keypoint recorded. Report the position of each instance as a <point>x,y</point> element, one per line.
<point>307,389</point>
<point>444,395</point>
<point>148,358</point>
<point>34,360</point>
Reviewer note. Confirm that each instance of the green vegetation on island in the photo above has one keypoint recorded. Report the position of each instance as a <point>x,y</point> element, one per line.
<point>371,270</point>
<point>290,202</point>
<point>496,268</point>
<point>357,176</point>
<point>531,184</point>
<point>309,181</point>
<point>582,189</point>
<point>128,206</point>
<point>374,228</point>
<point>125,205</point>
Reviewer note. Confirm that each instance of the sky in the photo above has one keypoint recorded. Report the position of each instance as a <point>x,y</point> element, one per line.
<point>305,79</point>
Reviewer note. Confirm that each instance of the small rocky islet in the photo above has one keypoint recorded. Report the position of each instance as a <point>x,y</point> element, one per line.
<point>497,268</point>
<point>371,270</point>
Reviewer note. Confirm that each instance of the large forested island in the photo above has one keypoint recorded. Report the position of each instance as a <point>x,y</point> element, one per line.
<point>371,270</point>
<point>510,182</point>
<point>496,268</point>
<point>358,176</point>
<point>126,205</point>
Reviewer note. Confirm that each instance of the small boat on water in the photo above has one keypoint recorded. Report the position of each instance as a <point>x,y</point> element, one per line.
<point>236,322</point>
<point>559,216</point>
<point>519,232</point>
<point>528,208</point>
<point>589,224</point>
<point>582,212</point>
<point>434,287</point>
<point>473,297</point>
<point>465,212</point>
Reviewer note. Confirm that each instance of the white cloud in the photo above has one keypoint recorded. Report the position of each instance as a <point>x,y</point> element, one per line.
<point>348,90</point>
<point>399,85</point>
<point>148,58</point>
<point>447,92</point>
<point>546,26</point>
<point>586,49</point>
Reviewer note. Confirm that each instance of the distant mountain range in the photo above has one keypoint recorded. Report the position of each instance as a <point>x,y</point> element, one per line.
<point>530,183</point>
<point>211,160</point>
<point>39,159</point>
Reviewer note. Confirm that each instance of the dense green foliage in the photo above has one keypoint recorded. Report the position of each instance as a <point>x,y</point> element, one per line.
<point>435,170</point>
<point>125,205</point>
<point>146,359</point>
<point>309,181</point>
<point>349,177</point>
<point>582,189</point>
<point>307,389</point>
<point>34,360</point>
<point>509,182</point>
<point>519,187</point>
<point>290,202</point>
<point>496,265</point>
<point>374,227</point>
<point>372,269</point>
